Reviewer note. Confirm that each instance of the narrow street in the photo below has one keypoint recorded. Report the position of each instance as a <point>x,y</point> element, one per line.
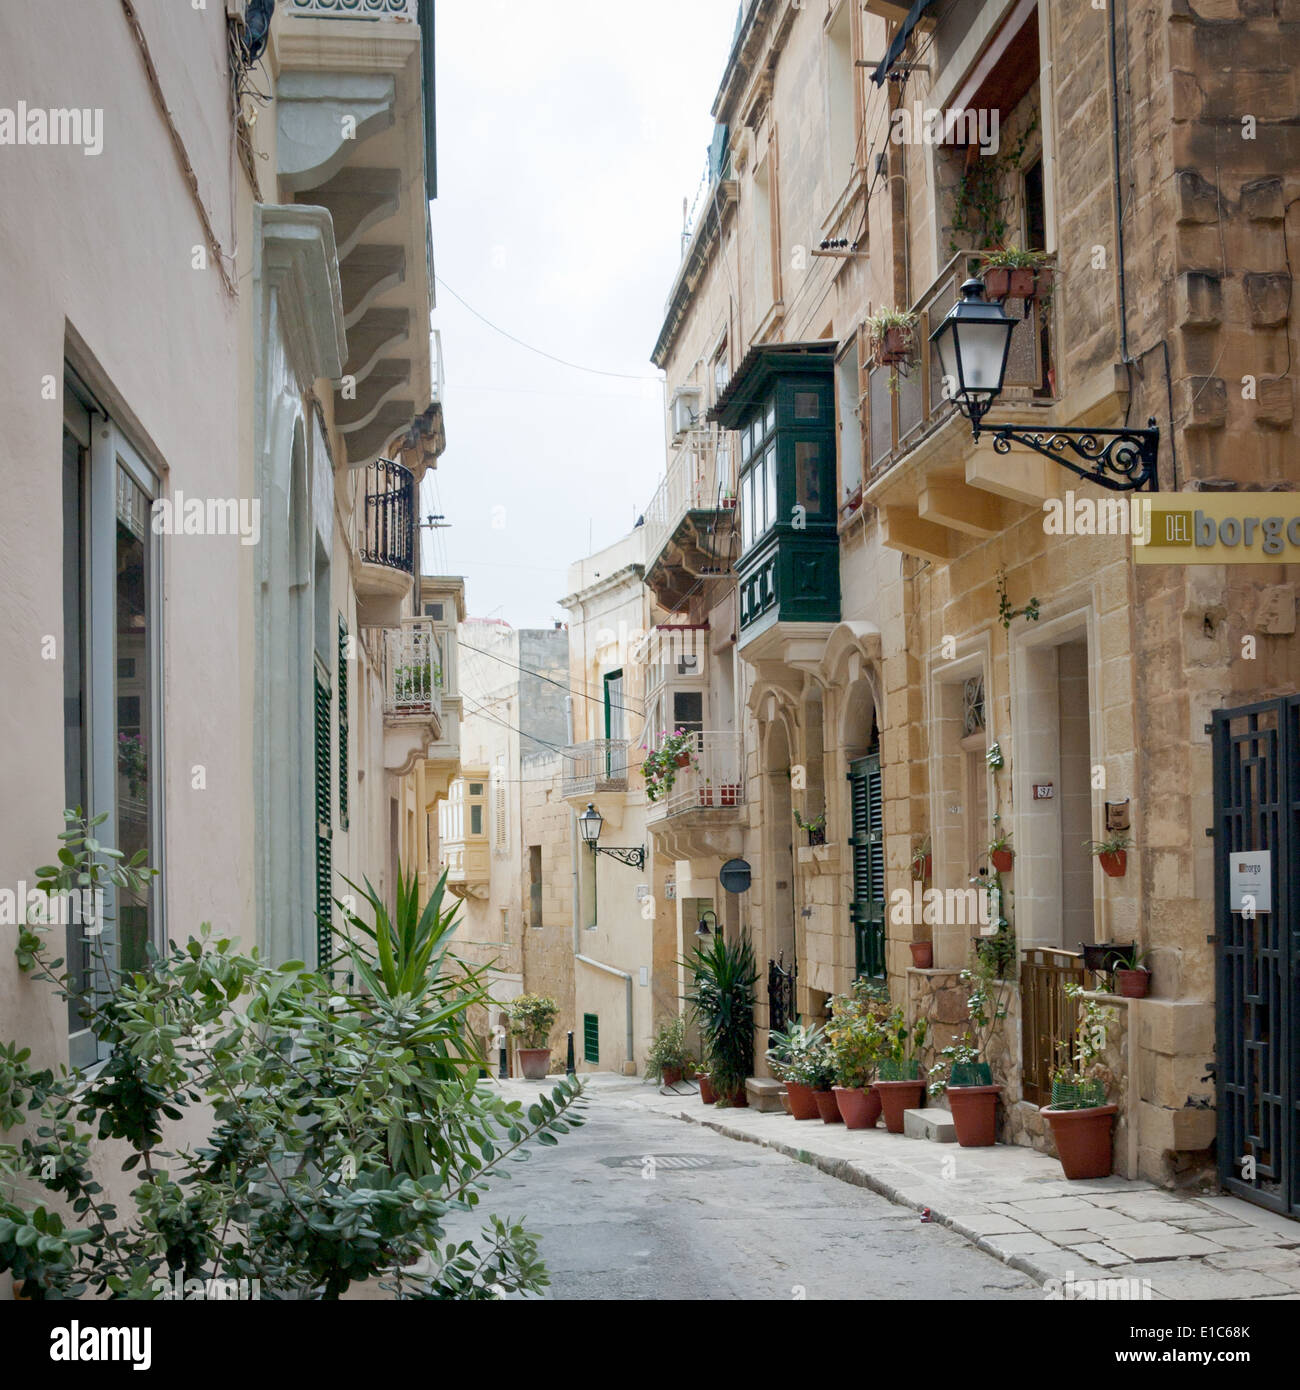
<point>641,1206</point>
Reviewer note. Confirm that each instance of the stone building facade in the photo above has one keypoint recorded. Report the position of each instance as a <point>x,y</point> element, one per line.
<point>966,669</point>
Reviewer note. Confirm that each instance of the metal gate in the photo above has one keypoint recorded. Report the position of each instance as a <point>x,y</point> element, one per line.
<point>867,911</point>
<point>1048,1017</point>
<point>781,994</point>
<point>1257,955</point>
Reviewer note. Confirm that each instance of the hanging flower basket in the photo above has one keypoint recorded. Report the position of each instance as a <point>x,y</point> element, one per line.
<point>1002,859</point>
<point>1115,863</point>
<point>1021,284</point>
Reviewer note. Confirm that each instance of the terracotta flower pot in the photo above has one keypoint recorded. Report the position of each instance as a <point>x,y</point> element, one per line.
<point>1021,285</point>
<point>706,796</point>
<point>1114,863</point>
<point>859,1106</point>
<point>682,759</point>
<point>1133,984</point>
<point>1083,1139</point>
<point>997,282</point>
<point>974,1114</point>
<point>707,1094</point>
<point>802,1104</point>
<point>895,1097</point>
<point>923,868</point>
<point>894,345</point>
<point>826,1107</point>
<point>534,1062</point>
<point>671,1075</point>
<point>731,796</point>
<point>1043,280</point>
<point>1002,859</point>
<point>922,954</point>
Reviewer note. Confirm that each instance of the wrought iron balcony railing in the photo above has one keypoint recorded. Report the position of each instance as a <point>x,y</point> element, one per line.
<point>387,523</point>
<point>410,662</point>
<point>714,778</point>
<point>355,9</point>
<point>599,765</point>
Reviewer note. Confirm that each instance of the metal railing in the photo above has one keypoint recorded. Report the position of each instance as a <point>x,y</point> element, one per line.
<point>700,476</point>
<point>905,403</point>
<point>714,778</point>
<point>387,522</point>
<point>355,9</point>
<point>599,765</point>
<point>1048,1017</point>
<point>409,659</point>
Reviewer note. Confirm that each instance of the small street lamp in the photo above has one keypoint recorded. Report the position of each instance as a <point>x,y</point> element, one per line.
<point>702,930</point>
<point>590,823</point>
<point>974,342</point>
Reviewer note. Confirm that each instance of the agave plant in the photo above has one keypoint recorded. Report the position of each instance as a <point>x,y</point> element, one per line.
<point>722,997</point>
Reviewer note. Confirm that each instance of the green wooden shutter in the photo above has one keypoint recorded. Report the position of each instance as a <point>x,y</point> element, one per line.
<point>591,1037</point>
<point>324,831</point>
<point>867,911</point>
<point>343,724</point>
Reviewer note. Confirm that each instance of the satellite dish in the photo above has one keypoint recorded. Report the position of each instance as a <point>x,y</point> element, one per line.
<point>735,876</point>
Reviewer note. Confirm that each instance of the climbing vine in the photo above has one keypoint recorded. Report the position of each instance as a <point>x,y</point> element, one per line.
<point>983,196</point>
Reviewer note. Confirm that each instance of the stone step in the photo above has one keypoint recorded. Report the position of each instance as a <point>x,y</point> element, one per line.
<point>764,1094</point>
<point>931,1123</point>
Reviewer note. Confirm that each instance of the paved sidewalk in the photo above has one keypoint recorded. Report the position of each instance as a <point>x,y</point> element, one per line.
<point>1016,1204</point>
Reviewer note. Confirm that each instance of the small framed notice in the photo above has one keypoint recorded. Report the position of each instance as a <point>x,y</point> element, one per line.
<point>1044,791</point>
<point>1250,882</point>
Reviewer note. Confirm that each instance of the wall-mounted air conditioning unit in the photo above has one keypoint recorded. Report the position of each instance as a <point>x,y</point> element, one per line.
<point>686,410</point>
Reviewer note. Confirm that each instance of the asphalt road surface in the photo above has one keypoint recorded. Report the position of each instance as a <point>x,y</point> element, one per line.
<point>636,1205</point>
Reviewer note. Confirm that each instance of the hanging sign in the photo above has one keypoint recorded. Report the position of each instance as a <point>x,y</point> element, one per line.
<point>1250,882</point>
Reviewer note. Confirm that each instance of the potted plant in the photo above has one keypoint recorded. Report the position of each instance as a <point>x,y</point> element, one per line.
<point>723,975</point>
<point>1001,855</point>
<point>892,332</point>
<point>898,1075</point>
<point>707,1094</point>
<point>854,1037</point>
<point>922,861</point>
<point>816,827</point>
<point>922,954</point>
<point>818,1071</point>
<point>972,1096</point>
<point>1010,273</point>
<point>787,1053</point>
<point>676,750</point>
<point>668,1054</point>
<point>1081,1120</point>
<point>1132,978</point>
<point>531,1017</point>
<point>1111,853</point>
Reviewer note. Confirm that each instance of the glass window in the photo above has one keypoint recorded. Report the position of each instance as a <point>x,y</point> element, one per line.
<point>807,474</point>
<point>769,480</point>
<point>135,770</point>
<point>476,819</point>
<point>688,710</point>
<point>476,788</point>
<point>749,534</point>
<point>807,405</point>
<point>771,415</point>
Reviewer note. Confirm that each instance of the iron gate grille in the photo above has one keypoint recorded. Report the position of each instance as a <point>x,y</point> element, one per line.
<point>1257,958</point>
<point>867,911</point>
<point>781,994</point>
<point>1050,1017</point>
<point>324,830</point>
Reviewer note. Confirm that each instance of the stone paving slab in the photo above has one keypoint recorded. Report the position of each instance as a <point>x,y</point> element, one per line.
<point>1015,1203</point>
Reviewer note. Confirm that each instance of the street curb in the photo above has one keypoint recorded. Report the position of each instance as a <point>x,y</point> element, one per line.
<point>843,1170</point>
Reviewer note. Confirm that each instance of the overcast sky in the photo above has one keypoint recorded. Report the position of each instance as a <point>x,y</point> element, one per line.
<point>569,131</point>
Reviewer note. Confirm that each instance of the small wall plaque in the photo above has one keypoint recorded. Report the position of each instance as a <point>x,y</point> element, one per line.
<point>1044,791</point>
<point>1117,815</point>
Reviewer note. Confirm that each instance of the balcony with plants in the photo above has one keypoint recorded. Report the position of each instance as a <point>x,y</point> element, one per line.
<point>596,766</point>
<point>408,659</point>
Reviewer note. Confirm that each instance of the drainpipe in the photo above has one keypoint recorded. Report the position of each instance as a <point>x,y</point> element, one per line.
<point>1119,192</point>
<point>627,980</point>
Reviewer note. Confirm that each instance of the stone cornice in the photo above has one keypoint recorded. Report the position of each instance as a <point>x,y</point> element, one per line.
<point>298,261</point>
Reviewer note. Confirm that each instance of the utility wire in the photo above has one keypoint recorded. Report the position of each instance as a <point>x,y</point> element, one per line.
<point>575,366</point>
<point>528,671</point>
